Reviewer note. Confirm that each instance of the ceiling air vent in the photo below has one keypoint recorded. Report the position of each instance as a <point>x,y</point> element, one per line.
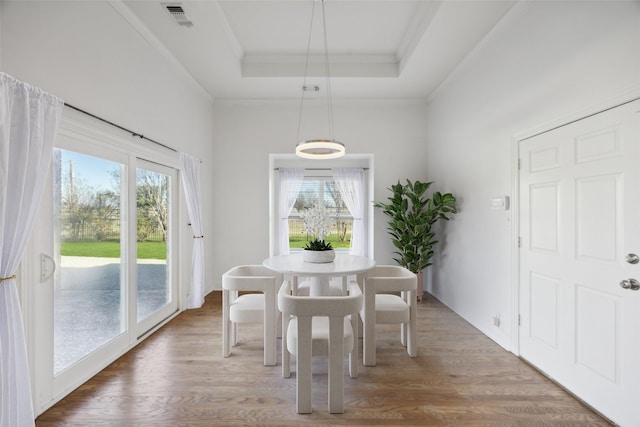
<point>177,13</point>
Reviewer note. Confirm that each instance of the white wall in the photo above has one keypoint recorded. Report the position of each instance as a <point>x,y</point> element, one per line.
<point>545,60</point>
<point>247,132</point>
<point>1,67</point>
<point>87,54</point>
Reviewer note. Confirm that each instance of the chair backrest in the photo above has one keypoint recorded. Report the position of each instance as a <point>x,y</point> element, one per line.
<point>391,278</point>
<point>249,278</point>
<point>332,306</point>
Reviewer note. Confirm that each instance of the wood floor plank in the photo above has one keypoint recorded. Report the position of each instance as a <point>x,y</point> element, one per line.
<point>177,377</point>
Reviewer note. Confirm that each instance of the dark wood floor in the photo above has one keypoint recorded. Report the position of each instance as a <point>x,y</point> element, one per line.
<point>177,377</point>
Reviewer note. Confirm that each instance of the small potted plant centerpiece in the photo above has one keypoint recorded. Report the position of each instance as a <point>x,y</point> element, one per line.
<point>317,223</point>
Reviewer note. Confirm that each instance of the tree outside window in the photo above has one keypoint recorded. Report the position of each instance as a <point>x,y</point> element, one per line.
<point>321,192</point>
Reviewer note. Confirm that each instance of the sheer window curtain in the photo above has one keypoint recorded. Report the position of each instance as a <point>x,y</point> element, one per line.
<point>190,172</point>
<point>29,120</point>
<point>350,182</point>
<point>290,183</point>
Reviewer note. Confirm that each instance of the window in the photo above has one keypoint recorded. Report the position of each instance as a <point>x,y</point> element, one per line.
<point>320,191</point>
<point>343,187</point>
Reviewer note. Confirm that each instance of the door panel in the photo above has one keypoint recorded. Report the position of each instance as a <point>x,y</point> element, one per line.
<point>579,216</point>
<point>87,298</point>
<point>107,291</point>
<point>544,217</point>
<point>156,286</point>
<point>543,301</point>
<point>597,348</point>
<point>598,220</point>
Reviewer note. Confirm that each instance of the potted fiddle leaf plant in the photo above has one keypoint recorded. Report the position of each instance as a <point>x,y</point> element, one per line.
<point>318,223</point>
<point>411,217</point>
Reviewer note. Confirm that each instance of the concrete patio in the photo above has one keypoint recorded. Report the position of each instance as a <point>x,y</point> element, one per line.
<point>87,307</point>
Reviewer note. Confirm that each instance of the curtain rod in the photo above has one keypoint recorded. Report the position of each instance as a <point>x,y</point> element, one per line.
<point>323,169</point>
<point>120,127</point>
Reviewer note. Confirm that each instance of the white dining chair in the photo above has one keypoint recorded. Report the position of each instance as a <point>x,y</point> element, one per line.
<point>250,307</point>
<point>389,298</point>
<point>321,325</point>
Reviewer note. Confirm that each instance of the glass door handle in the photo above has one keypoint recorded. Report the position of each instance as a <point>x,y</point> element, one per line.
<point>47,267</point>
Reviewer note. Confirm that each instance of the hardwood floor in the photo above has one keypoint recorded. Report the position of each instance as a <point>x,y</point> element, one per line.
<point>177,377</point>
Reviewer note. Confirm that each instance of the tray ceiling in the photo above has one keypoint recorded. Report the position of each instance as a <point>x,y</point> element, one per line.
<point>382,49</point>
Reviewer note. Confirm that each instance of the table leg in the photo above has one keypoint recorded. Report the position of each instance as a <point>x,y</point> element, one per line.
<point>319,286</point>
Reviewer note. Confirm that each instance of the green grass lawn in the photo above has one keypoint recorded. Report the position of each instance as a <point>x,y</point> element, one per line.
<point>158,250</point>
<point>146,250</point>
<point>301,241</point>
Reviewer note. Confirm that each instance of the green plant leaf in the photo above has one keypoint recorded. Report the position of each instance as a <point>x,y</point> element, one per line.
<point>411,215</point>
<point>318,245</point>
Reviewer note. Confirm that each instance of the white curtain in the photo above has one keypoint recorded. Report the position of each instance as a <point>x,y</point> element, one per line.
<point>351,184</point>
<point>190,171</point>
<point>290,183</point>
<point>29,119</point>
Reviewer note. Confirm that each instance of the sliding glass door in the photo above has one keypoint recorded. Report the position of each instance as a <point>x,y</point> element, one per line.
<point>88,299</point>
<point>156,293</point>
<point>105,247</point>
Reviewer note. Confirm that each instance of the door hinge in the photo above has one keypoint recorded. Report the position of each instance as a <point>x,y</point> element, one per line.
<point>519,164</point>
<point>519,241</point>
<point>518,320</point>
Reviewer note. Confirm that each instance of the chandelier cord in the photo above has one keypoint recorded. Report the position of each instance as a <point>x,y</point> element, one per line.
<point>328,147</point>
<point>306,67</point>
<point>326,68</point>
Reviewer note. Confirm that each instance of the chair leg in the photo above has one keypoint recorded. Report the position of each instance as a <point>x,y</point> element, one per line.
<point>412,333</point>
<point>412,347</point>
<point>269,328</point>
<point>286,357</point>
<point>234,334</point>
<point>353,355</point>
<point>226,327</point>
<point>403,334</point>
<point>278,324</point>
<point>336,365</point>
<point>369,334</point>
<point>303,365</point>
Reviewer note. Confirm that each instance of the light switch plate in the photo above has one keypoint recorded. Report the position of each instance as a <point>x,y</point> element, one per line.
<point>500,203</point>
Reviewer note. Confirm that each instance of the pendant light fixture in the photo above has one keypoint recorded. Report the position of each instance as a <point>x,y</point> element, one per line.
<point>325,148</point>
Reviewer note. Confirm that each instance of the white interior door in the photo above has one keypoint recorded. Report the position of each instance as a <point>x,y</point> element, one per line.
<point>579,221</point>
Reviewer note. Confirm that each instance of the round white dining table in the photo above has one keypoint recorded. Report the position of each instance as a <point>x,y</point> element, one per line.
<point>343,266</point>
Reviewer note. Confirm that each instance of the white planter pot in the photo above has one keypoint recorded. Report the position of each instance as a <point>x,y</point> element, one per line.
<point>318,257</point>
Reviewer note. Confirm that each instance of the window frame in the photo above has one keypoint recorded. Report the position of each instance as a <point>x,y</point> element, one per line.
<point>320,176</point>
<point>313,168</point>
